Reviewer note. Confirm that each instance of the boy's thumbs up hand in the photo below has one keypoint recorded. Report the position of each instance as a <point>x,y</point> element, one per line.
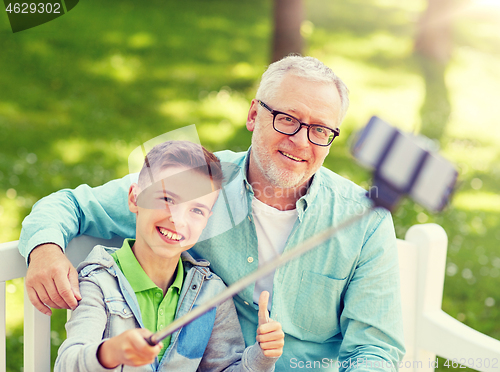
<point>263,312</point>
<point>269,334</point>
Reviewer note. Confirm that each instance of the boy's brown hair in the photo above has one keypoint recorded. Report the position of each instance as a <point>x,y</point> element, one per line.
<point>183,154</point>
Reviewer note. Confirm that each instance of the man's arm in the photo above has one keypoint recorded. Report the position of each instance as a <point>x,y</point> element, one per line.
<point>371,321</point>
<point>58,218</point>
<point>51,280</point>
<point>101,211</point>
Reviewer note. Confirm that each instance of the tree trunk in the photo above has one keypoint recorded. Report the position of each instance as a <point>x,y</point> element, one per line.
<point>434,31</point>
<point>433,45</point>
<point>288,17</point>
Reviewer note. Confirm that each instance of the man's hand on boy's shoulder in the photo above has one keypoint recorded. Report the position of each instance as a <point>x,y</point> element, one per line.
<point>270,336</point>
<point>51,280</point>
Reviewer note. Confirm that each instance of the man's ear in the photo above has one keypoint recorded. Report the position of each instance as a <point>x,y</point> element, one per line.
<point>132,197</point>
<point>252,115</point>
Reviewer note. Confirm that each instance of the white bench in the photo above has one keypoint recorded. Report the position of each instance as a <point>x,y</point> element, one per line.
<point>428,330</point>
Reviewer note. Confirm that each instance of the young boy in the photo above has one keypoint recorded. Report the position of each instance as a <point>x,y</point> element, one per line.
<point>130,292</point>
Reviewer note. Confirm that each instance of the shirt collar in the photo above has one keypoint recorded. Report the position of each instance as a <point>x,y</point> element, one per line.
<point>246,164</point>
<point>179,277</point>
<point>312,191</point>
<point>135,274</point>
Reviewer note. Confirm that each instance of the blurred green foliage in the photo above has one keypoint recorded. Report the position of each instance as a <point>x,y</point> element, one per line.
<point>79,93</point>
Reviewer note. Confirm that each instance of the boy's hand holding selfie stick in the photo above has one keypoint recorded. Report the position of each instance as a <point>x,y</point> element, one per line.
<point>131,347</point>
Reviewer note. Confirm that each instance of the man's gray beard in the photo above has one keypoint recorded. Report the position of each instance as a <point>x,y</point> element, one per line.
<point>276,176</point>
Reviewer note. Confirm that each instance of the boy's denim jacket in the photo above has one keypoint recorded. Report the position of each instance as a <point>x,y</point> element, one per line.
<point>212,342</point>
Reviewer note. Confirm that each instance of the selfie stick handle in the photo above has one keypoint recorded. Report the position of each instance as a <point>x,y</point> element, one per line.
<point>239,285</point>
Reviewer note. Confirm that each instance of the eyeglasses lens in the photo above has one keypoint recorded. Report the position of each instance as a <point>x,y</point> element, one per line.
<point>289,125</point>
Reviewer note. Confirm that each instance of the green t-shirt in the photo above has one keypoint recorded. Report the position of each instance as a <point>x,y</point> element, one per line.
<point>157,310</point>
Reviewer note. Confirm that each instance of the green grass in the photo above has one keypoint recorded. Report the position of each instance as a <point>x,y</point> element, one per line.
<point>79,93</point>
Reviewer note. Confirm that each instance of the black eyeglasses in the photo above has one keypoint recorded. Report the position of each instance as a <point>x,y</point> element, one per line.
<point>286,124</point>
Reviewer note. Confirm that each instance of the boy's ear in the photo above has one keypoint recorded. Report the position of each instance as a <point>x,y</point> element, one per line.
<point>132,197</point>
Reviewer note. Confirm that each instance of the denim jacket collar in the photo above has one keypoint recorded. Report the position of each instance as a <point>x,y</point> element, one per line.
<point>101,258</point>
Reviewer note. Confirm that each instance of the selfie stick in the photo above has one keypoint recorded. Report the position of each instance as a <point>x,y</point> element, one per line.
<point>401,167</point>
<point>262,271</point>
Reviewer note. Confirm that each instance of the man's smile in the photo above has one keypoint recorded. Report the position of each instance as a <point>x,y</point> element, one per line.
<point>290,156</point>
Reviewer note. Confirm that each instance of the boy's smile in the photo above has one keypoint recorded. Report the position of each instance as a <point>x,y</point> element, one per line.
<point>170,236</point>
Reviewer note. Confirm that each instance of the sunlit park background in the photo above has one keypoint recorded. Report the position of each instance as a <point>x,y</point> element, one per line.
<point>79,93</point>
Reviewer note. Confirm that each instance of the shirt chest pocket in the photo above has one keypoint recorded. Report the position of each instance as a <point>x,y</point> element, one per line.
<point>317,308</point>
<point>119,307</point>
<point>120,316</point>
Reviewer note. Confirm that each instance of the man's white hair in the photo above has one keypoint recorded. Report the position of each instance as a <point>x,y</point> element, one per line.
<point>308,68</point>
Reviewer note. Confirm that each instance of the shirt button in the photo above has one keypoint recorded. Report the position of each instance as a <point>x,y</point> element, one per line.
<point>160,326</point>
<point>250,259</point>
<point>247,187</point>
<point>246,303</point>
<point>161,311</point>
<point>249,218</point>
<point>124,311</point>
<point>158,294</point>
